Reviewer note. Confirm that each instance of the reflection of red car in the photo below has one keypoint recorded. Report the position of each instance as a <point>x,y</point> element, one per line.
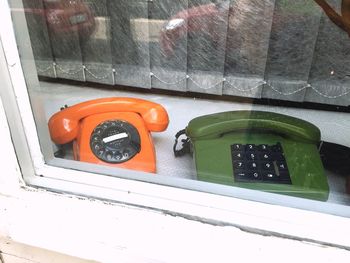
<point>200,18</point>
<point>64,16</point>
<point>207,19</point>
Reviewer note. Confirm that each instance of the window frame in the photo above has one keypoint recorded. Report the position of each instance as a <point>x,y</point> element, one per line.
<point>324,226</point>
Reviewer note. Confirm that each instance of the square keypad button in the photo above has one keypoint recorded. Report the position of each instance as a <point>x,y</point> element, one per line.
<point>259,163</point>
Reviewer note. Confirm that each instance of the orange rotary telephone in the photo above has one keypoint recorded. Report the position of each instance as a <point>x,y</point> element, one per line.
<point>111,131</point>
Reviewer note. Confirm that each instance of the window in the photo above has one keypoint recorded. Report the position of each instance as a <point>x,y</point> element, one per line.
<point>260,86</point>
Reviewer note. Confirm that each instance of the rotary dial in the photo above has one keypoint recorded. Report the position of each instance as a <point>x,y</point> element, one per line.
<point>115,141</point>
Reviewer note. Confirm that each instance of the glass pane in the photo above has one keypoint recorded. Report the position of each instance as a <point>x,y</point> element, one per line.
<point>130,45</point>
<point>64,31</point>
<point>329,76</point>
<point>39,37</point>
<point>247,46</point>
<point>207,24</point>
<point>96,46</point>
<point>292,42</point>
<point>160,93</point>
<point>168,44</point>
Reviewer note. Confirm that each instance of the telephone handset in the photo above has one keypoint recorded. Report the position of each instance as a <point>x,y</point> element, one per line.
<point>216,125</point>
<point>258,150</point>
<point>111,131</point>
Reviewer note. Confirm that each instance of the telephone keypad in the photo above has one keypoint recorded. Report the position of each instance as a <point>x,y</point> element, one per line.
<point>278,156</point>
<point>255,175</point>
<point>236,147</point>
<point>267,166</point>
<point>241,175</point>
<point>252,165</point>
<point>262,147</point>
<point>250,147</point>
<point>259,163</point>
<point>238,156</point>
<point>251,156</point>
<point>265,156</point>
<point>270,176</point>
<point>238,165</point>
<point>282,165</point>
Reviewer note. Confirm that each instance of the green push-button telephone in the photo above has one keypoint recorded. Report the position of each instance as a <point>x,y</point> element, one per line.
<point>258,150</point>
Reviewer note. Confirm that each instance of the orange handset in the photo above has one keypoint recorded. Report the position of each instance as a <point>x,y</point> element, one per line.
<point>111,131</point>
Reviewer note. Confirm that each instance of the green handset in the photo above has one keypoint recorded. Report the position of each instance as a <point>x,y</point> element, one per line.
<point>259,150</point>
